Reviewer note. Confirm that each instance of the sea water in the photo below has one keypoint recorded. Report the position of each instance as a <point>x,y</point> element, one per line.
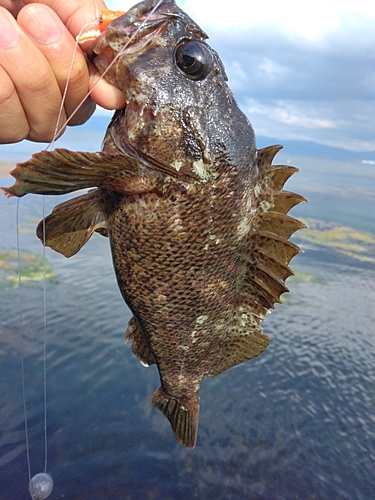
<point>296,423</point>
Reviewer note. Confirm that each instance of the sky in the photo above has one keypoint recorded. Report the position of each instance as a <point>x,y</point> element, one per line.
<point>299,70</point>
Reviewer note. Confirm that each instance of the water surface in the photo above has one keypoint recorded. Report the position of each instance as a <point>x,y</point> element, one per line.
<point>296,423</point>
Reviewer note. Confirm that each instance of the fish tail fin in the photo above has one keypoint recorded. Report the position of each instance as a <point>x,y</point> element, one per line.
<point>182,417</point>
<point>72,223</point>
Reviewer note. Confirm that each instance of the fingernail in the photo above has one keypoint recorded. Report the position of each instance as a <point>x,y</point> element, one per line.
<point>42,26</point>
<point>9,36</point>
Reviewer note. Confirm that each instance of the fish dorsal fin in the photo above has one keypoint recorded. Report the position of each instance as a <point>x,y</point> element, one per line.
<point>268,250</point>
<point>71,224</point>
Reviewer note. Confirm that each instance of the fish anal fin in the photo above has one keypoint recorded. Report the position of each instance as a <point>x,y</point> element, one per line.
<point>183,416</point>
<point>71,224</point>
<point>240,348</point>
<point>62,171</point>
<point>139,346</point>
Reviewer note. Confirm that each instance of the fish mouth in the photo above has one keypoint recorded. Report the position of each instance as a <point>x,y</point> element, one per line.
<point>129,35</point>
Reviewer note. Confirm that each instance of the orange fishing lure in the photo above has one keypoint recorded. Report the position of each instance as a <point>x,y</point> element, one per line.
<point>106,17</point>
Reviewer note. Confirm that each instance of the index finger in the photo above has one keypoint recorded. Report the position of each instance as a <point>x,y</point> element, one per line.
<point>12,6</point>
<point>75,13</point>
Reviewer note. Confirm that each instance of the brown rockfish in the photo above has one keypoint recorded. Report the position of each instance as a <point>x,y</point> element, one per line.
<point>195,214</point>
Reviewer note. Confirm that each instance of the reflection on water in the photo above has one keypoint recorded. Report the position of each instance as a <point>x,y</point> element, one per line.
<point>297,422</point>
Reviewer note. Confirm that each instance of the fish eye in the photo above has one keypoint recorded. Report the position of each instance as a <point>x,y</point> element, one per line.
<point>194,59</point>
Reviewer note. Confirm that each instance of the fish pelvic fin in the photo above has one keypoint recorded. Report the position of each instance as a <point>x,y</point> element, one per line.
<point>183,417</point>
<point>72,223</point>
<point>139,347</point>
<point>268,250</point>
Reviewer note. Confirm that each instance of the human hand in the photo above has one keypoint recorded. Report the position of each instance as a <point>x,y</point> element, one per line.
<point>35,57</point>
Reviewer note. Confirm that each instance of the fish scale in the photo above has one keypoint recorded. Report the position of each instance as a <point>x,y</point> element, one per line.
<point>195,214</point>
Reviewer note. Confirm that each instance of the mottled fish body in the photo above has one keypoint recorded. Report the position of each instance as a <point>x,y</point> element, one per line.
<point>196,215</point>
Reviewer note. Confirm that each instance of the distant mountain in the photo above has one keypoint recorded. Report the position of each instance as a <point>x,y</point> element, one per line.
<point>307,148</point>
<point>99,122</point>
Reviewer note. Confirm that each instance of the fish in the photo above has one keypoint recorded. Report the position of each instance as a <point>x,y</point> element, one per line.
<point>196,215</point>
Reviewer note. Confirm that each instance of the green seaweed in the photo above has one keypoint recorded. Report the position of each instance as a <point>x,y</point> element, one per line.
<point>346,240</point>
<point>33,269</point>
<point>307,277</point>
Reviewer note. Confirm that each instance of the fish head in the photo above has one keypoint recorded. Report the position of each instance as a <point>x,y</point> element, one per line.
<point>178,105</point>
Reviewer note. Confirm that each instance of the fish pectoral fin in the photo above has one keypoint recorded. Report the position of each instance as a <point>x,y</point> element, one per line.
<point>182,417</point>
<point>71,224</point>
<point>240,348</point>
<point>139,347</point>
<point>62,171</point>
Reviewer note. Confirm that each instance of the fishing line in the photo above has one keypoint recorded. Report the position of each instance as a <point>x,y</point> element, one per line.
<point>44,340</point>
<point>22,340</point>
<point>41,484</point>
<point>96,9</point>
<point>57,131</point>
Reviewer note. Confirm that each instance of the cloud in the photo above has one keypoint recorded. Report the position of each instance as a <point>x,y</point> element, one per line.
<point>308,19</point>
<point>299,70</point>
<point>316,121</point>
<point>292,87</point>
<point>289,114</point>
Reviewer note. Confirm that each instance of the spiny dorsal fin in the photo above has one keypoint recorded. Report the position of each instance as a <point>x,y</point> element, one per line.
<point>268,249</point>
<point>71,224</point>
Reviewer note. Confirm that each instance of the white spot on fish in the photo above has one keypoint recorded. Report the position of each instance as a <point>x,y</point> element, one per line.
<point>201,319</point>
<point>266,205</point>
<point>177,165</point>
<point>243,319</point>
<point>198,167</point>
<point>146,78</point>
<point>243,228</point>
